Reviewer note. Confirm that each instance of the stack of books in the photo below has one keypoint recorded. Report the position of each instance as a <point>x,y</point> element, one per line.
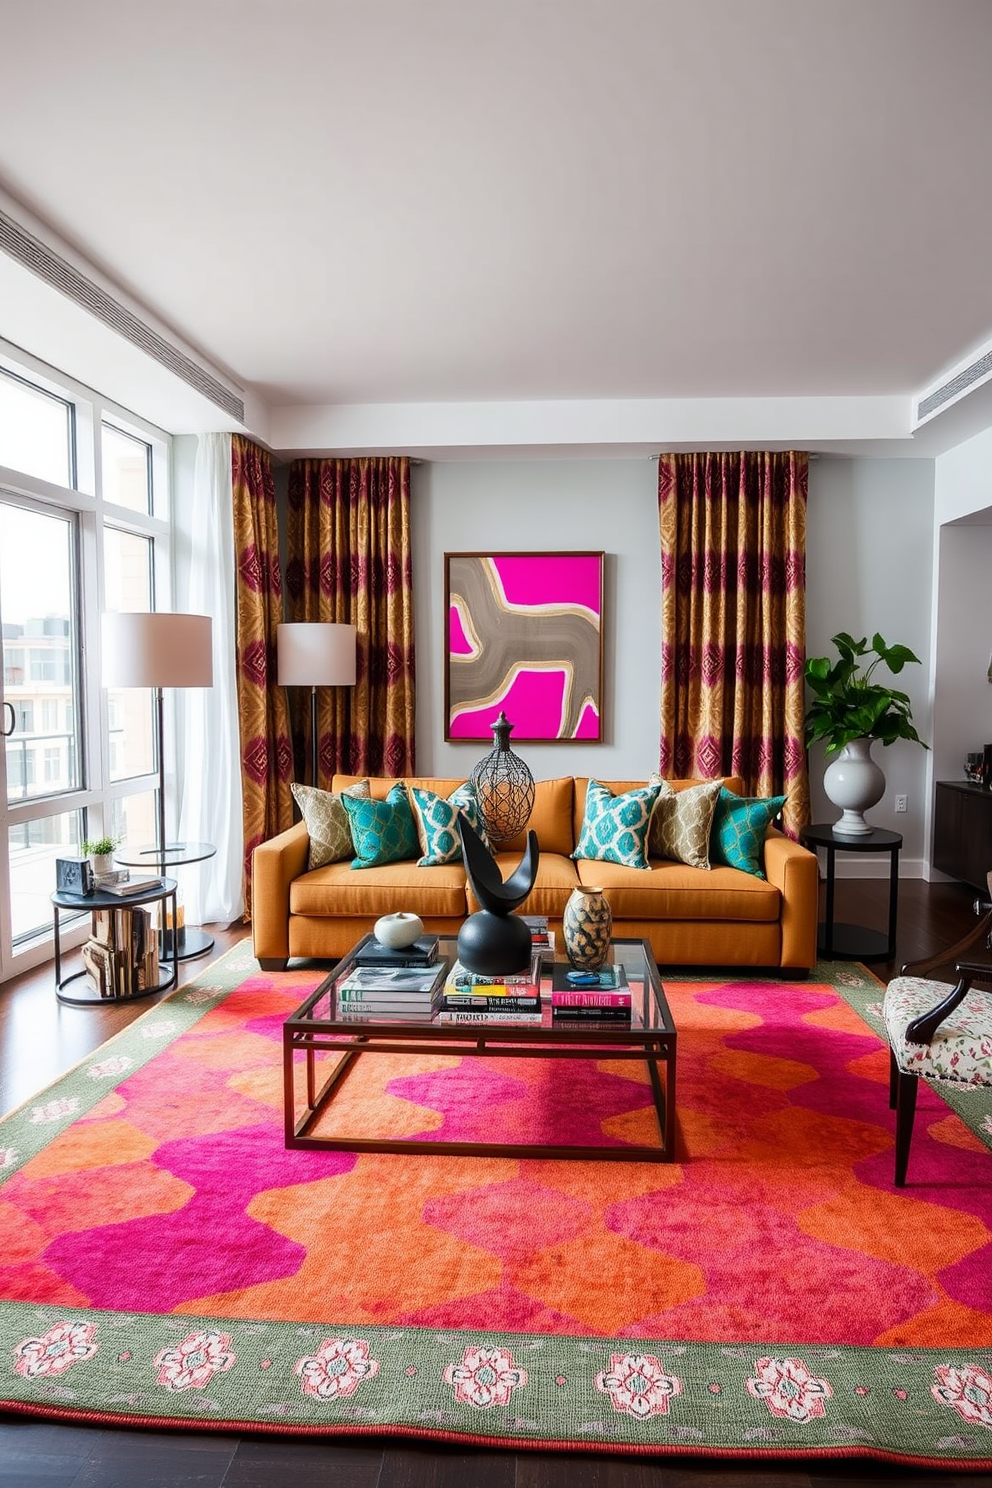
<point>601,1001</point>
<point>467,997</point>
<point>121,955</point>
<point>387,994</point>
<point>423,952</point>
<point>132,883</point>
<point>541,938</point>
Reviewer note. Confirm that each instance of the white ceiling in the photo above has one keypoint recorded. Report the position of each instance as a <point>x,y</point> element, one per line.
<point>651,207</point>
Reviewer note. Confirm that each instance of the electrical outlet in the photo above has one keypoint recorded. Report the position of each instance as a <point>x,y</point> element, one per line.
<point>902,803</point>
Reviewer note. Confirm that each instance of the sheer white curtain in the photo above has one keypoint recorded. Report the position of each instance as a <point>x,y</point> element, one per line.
<point>211,808</point>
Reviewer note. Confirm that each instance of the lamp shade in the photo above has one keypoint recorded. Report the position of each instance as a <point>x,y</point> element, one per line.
<point>143,649</point>
<point>316,653</point>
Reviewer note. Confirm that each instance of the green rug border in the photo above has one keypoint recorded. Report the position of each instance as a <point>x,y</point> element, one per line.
<point>512,1390</point>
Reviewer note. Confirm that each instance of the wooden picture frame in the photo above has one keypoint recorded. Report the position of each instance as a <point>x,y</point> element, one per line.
<point>523,634</point>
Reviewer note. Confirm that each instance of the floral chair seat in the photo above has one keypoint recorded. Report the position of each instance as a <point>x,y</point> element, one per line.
<point>940,1030</point>
<point>961,1047</point>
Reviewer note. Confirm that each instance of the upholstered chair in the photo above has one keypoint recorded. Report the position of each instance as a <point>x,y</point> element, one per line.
<point>939,1030</point>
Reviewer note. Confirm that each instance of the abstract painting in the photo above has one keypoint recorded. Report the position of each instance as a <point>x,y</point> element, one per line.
<point>524,634</point>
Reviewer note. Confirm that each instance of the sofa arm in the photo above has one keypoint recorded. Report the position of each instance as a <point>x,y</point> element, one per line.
<point>274,866</point>
<point>795,872</point>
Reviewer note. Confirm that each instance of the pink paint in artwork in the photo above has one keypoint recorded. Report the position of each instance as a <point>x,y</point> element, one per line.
<point>458,641</point>
<point>551,580</point>
<point>533,703</point>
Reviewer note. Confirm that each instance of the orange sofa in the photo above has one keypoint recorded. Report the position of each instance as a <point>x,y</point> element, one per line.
<point>690,916</point>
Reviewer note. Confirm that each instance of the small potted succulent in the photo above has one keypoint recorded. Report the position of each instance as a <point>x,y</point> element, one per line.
<point>100,851</point>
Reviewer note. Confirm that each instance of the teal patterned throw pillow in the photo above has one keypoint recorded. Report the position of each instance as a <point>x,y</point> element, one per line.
<point>740,823</point>
<point>382,831</point>
<point>437,823</point>
<point>615,828</point>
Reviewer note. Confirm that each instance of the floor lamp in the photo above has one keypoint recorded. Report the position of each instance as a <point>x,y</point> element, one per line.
<point>158,650</point>
<point>316,653</point>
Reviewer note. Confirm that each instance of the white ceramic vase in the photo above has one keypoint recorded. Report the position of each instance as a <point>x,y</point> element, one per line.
<point>855,783</point>
<point>398,930</point>
<point>102,862</point>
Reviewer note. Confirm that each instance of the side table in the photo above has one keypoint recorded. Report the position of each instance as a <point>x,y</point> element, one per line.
<point>855,942</point>
<point>190,942</point>
<point>86,903</point>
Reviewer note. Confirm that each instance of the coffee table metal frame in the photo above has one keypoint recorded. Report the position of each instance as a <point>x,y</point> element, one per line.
<point>651,1038</point>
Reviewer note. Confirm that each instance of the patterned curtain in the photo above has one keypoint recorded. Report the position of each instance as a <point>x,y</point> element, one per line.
<point>349,560</point>
<point>733,621</point>
<point>266,753</point>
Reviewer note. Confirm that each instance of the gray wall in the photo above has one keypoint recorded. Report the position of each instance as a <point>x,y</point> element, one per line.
<point>547,505</point>
<point>869,543</point>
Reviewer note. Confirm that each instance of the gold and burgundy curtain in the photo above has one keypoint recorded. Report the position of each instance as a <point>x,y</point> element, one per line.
<point>733,621</point>
<point>349,560</point>
<point>266,752</point>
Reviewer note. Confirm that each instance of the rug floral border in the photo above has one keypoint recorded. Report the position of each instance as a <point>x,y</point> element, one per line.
<point>925,1407</point>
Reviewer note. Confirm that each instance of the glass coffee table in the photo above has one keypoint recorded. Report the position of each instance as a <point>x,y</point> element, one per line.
<point>322,1041</point>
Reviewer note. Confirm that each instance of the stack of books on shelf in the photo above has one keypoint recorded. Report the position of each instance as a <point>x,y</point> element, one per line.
<point>467,997</point>
<point>133,883</point>
<point>121,955</point>
<point>387,994</point>
<point>599,1000</point>
<point>423,952</point>
<point>541,938</point>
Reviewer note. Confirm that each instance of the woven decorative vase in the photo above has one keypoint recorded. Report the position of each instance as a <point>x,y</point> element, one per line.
<point>585,928</point>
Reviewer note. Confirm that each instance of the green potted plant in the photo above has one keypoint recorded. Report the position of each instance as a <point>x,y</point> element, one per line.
<point>849,710</point>
<point>100,851</point>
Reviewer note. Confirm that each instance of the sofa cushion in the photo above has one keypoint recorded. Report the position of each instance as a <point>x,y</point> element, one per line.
<point>327,822</point>
<point>551,818</point>
<point>681,822</point>
<point>672,891</point>
<point>740,824</point>
<point>615,828</point>
<point>732,782</point>
<point>383,831</point>
<point>337,891</point>
<point>437,822</point>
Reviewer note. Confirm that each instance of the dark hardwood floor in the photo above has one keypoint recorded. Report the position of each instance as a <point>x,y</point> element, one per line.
<point>40,1038</point>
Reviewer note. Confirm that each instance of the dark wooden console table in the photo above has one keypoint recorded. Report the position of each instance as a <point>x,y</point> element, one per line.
<point>962,832</point>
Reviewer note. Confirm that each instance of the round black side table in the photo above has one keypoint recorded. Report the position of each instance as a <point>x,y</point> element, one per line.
<point>162,892</point>
<point>175,944</point>
<point>855,942</point>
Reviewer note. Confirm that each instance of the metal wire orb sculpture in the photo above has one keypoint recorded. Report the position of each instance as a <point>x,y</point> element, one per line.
<point>504,787</point>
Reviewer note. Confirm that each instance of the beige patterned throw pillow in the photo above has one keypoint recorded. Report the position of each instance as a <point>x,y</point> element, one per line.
<point>681,822</point>
<point>327,821</point>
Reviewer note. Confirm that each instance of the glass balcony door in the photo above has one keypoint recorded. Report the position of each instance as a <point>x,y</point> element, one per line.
<point>42,765</point>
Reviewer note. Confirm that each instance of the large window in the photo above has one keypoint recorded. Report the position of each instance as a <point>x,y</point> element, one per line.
<point>84,527</point>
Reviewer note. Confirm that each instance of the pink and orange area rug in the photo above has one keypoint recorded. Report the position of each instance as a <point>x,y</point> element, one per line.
<point>164,1261</point>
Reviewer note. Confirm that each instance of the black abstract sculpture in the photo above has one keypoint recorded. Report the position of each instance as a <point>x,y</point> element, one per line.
<point>494,941</point>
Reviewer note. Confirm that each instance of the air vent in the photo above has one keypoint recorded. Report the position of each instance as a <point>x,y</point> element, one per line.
<point>61,275</point>
<point>968,377</point>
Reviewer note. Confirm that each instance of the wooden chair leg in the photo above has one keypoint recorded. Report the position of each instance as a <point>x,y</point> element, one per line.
<point>905,1112</point>
<point>893,1080</point>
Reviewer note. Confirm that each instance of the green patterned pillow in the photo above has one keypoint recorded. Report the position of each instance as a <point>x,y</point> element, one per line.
<point>382,831</point>
<point>615,828</point>
<point>680,826</point>
<point>437,823</point>
<point>739,827</point>
<point>327,821</point>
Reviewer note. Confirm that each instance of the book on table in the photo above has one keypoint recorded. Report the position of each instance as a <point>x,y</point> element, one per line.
<point>494,1019</point>
<point>423,952</point>
<point>394,979</point>
<point>146,884</point>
